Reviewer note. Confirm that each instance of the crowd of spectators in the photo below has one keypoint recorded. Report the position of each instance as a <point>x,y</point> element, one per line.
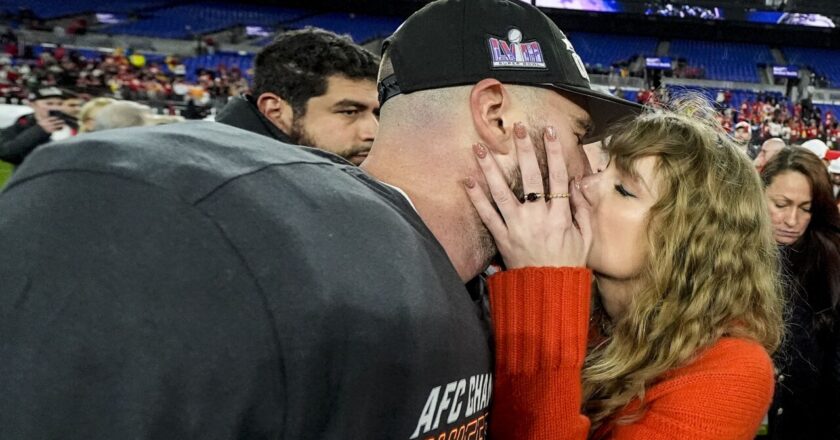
<point>768,115</point>
<point>121,74</point>
<point>771,117</point>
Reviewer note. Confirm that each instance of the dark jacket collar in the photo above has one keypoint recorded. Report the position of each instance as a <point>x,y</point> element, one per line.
<point>242,112</point>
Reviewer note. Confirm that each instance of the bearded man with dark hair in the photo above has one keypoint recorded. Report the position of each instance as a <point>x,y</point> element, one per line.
<point>312,88</point>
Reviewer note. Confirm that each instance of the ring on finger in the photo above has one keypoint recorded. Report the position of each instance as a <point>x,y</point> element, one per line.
<point>532,197</point>
<point>550,196</point>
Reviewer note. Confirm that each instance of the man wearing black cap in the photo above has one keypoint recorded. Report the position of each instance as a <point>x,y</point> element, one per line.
<point>207,284</point>
<point>512,65</point>
<point>34,129</point>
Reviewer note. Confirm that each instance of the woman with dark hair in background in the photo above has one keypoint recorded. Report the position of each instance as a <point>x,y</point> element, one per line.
<point>806,225</point>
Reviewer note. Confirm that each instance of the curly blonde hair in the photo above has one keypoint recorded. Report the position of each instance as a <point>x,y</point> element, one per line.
<point>712,264</point>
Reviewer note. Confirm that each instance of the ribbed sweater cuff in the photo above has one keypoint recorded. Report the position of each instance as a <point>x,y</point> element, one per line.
<point>540,318</point>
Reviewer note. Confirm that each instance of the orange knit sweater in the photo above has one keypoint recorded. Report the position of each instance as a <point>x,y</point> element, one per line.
<point>541,318</point>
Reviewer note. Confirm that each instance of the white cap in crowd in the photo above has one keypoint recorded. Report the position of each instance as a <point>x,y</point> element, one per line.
<point>817,147</point>
<point>834,166</point>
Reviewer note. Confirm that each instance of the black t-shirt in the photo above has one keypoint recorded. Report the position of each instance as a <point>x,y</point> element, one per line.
<point>200,281</point>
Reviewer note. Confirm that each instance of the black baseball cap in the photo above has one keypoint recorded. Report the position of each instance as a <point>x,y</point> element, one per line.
<point>459,42</point>
<point>47,93</point>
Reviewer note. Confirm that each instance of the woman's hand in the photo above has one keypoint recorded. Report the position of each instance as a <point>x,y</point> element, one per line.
<point>541,230</point>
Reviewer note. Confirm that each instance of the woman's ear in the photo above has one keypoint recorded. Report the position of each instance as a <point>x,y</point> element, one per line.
<point>490,105</point>
<point>277,110</point>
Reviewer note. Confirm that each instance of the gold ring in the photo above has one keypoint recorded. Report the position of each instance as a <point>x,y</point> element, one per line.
<point>550,196</point>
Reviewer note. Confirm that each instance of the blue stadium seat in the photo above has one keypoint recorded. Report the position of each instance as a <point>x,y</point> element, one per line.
<point>48,9</point>
<point>723,61</point>
<point>87,53</point>
<point>606,49</point>
<point>213,62</point>
<point>361,28</point>
<point>835,109</point>
<point>631,95</point>
<point>823,61</point>
<point>188,20</point>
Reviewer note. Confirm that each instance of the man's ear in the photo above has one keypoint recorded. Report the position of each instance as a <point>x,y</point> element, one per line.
<point>277,110</point>
<point>490,108</point>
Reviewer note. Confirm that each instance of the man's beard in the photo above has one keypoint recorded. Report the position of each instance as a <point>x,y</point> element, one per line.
<point>299,136</point>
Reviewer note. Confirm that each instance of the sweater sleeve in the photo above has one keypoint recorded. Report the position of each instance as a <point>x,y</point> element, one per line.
<point>540,320</point>
<point>723,395</point>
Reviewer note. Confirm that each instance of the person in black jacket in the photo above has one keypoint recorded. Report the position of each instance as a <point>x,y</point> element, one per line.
<point>807,227</point>
<point>313,88</point>
<point>34,129</point>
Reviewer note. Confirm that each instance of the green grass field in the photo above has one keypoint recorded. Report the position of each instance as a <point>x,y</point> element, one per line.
<point>5,172</point>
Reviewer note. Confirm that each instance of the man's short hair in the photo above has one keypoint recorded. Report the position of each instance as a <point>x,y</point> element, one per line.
<point>297,64</point>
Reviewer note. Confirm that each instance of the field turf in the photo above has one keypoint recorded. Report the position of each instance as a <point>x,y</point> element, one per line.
<point>5,172</point>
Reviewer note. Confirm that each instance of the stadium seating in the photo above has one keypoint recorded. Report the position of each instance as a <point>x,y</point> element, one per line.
<point>824,61</point>
<point>188,20</point>
<point>605,50</point>
<point>738,96</point>
<point>723,61</point>
<point>835,109</point>
<point>93,54</point>
<point>243,62</point>
<point>630,95</point>
<point>213,62</point>
<point>90,54</point>
<point>362,28</point>
<point>48,9</point>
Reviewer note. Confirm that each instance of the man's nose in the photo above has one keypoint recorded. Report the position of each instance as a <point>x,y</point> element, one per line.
<point>368,128</point>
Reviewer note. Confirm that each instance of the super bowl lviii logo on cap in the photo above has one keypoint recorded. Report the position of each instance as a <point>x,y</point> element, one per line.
<point>513,53</point>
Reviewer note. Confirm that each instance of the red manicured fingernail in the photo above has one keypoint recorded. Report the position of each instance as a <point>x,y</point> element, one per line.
<point>469,182</point>
<point>480,150</point>
<point>550,133</point>
<point>519,130</point>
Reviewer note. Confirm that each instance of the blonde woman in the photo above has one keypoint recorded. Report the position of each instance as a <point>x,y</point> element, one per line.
<point>687,312</point>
